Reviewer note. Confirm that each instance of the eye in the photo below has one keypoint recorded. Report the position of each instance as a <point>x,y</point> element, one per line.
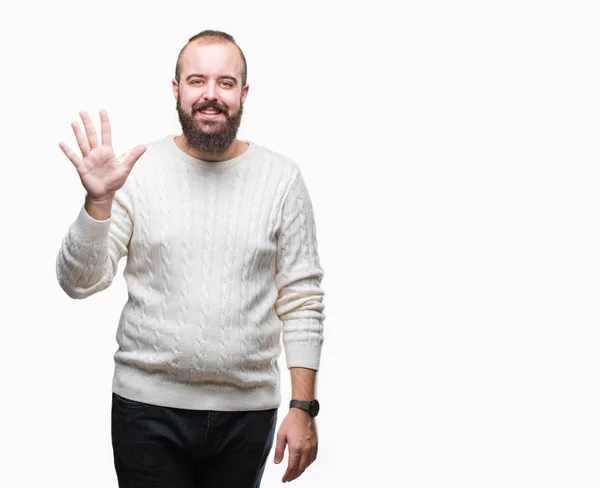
<point>195,82</point>
<point>228,84</point>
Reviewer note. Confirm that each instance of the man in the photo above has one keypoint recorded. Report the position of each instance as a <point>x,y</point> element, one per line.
<point>222,266</point>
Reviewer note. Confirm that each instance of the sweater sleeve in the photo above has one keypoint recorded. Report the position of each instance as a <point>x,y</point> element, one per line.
<point>298,276</point>
<point>88,258</point>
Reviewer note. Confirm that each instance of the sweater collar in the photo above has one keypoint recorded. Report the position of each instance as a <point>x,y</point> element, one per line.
<point>210,165</point>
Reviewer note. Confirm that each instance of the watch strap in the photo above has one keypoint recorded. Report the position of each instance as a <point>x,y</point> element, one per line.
<point>312,406</point>
<point>303,404</point>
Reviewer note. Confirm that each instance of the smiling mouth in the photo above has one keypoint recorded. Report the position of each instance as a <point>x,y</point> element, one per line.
<point>209,114</point>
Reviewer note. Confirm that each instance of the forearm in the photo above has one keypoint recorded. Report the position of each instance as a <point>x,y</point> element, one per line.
<point>88,257</point>
<point>80,265</point>
<point>303,383</point>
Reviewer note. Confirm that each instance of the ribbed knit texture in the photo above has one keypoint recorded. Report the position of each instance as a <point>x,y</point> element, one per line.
<point>222,268</point>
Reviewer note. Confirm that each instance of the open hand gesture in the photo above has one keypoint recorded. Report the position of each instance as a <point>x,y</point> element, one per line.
<point>101,173</point>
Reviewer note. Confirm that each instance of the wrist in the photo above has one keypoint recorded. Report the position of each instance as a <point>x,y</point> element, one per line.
<point>311,407</point>
<point>300,414</point>
<point>99,209</point>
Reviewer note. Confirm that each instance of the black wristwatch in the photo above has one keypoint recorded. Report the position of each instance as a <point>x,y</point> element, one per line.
<point>312,407</point>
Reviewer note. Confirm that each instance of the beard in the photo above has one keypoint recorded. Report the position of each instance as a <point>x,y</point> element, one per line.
<point>212,136</point>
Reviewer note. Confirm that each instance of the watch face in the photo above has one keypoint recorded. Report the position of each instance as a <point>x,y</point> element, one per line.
<point>314,408</point>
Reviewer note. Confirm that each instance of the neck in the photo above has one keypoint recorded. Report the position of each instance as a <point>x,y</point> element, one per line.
<point>235,149</point>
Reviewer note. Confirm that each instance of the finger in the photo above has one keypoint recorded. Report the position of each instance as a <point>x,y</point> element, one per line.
<point>89,129</point>
<point>81,140</point>
<point>279,449</point>
<point>133,156</point>
<point>313,454</point>
<point>293,461</point>
<point>302,465</point>
<point>70,154</point>
<point>105,128</point>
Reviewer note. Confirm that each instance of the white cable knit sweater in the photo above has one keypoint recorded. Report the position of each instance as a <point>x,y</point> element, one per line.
<point>222,266</point>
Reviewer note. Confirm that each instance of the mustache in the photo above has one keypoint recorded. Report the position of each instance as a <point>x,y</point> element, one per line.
<point>209,105</point>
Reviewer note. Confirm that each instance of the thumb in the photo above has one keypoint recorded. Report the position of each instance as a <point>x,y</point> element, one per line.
<point>133,156</point>
<point>279,449</point>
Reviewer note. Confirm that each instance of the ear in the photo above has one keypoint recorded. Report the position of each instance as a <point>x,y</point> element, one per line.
<point>175,89</point>
<point>245,92</point>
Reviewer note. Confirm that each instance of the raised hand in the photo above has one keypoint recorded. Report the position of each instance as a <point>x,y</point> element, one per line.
<point>101,173</point>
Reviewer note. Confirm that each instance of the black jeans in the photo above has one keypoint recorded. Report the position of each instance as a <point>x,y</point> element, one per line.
<point>163,447</point>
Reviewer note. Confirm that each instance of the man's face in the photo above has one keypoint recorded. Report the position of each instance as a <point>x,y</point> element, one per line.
<point>209,96</point>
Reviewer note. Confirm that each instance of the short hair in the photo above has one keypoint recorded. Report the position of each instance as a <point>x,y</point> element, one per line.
<point>210,37</point>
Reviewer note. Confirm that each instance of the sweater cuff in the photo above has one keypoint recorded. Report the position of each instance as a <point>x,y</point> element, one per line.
<point>302,355</point>
<point>90,228</point>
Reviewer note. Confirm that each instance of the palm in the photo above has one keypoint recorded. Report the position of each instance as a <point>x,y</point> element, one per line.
<point>101,173</point>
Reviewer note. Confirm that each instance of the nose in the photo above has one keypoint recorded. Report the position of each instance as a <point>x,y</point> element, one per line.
<point>211,92</point>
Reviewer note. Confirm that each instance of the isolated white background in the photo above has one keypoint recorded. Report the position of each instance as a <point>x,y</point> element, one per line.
<point>451,152</point>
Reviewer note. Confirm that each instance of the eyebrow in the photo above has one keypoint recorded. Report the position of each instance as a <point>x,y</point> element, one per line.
<point>225,77</point>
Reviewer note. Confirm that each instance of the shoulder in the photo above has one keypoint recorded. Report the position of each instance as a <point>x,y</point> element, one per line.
<point>146,166</point>
<point>156,150</point>
<point>152,147</point>
<point>284,168</point>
